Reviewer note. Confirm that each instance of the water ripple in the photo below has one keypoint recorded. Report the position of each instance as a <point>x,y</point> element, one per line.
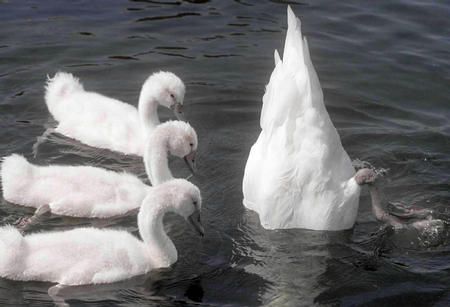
<point>384,69</point>
<point>180,15</point>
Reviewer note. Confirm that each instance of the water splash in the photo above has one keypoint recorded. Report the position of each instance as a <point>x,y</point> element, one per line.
<point>359,164</point>
<point>435,233</point>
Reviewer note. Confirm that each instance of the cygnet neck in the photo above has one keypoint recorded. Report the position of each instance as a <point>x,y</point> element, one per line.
<point>155,156</point>
<point>150,222</point>
<point>148,113</point>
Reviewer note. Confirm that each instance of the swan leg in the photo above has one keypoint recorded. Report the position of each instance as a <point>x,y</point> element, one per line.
<point>397,219</point>
<point>404,211</point>
<point>54,291</point>
<point>24,223</point>
<point>378,209</point>
<point>41,139</point>
<point>368,176</point>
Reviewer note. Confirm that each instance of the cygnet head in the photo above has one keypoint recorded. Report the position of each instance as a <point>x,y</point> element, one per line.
<point>167,89</point>
<point>183,198</point>
<point>182,140</point>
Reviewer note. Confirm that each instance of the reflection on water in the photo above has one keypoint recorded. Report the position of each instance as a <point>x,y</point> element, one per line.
<point>384,69</point>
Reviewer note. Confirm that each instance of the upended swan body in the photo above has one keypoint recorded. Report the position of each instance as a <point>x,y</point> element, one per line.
<point>298,175</point>
<point>86,191</point>
<point>93,256</point>
<point>104,122</point>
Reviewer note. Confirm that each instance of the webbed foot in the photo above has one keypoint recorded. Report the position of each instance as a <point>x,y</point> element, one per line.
<point>24,222</point>
<point>408,211</point>
<point>365,176</point>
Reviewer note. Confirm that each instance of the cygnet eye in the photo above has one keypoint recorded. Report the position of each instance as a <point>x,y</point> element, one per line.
<point>191,144</point>
<point>195,202</point>
<point>172,95</point>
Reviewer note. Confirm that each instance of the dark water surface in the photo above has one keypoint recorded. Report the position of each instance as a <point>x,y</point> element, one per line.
<point>385,70</point>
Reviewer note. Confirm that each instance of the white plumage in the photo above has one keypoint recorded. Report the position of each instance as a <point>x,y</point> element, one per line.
<point>298,175</point>
<point>93,256</point>
<point>86,191</point>
<point>177,137</point>
<point>104,122</point>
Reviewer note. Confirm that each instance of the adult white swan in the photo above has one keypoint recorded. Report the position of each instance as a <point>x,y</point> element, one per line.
<point>86,191</point>
<point>298,175</point>
<point>94,256</point>
<point>104,122</point>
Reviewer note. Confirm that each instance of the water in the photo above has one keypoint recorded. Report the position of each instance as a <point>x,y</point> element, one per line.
<point>384,67</point>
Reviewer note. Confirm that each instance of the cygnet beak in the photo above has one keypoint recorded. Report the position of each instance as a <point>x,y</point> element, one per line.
<point>177,109</point>
<point>190,161</point>
<point>195,221</point>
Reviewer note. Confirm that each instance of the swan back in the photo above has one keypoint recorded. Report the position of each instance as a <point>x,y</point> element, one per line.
<point>298,174</point>
<point>58,88</point>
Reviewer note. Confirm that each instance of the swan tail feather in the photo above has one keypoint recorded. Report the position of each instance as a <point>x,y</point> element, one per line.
<point>11,248</point>
<point>58,88</point>
<point>276,56</point>
<point>293,46</point>
<point>288,85</point>
<point>16,173</point>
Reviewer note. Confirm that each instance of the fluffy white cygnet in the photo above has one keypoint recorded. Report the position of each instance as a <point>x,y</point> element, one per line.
<point>93,256</point>
<point>86,191</point>
<point>104,122</point>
